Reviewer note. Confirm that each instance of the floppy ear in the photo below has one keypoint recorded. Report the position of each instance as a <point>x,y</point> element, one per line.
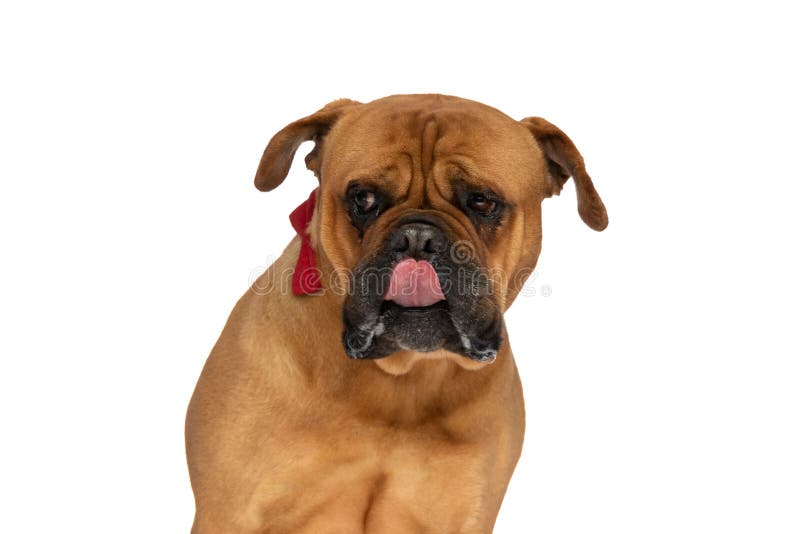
<point>278,155</point>
<point>563,161</point>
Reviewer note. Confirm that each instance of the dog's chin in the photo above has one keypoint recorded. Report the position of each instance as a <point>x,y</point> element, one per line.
<point>418,329</point>
<point>422,329</point>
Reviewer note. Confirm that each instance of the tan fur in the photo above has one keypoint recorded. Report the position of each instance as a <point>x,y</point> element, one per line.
<point>286,434</point>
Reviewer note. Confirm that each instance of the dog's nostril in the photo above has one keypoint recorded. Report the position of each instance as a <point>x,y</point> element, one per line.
<point>417,240</point>
<point>435,244</point>
<point>401,243</point>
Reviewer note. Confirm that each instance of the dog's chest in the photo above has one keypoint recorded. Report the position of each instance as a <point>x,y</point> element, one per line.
<point>367,481</point>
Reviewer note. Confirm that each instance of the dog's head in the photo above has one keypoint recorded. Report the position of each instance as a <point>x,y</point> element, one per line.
<point>429,213</point>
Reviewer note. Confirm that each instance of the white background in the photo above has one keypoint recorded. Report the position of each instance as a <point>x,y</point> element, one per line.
<point>661,375</point>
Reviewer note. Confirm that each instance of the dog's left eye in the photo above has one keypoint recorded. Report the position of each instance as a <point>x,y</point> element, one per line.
<point>482,204</point>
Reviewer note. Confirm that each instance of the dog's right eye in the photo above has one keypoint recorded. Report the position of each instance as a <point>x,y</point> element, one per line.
<point>364,204</point>
<point>364,201</point>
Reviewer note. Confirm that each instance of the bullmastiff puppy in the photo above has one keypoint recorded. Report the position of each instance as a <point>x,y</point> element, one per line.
<point>365,382</point>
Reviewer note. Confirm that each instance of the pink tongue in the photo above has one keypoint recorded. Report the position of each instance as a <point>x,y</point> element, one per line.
<point>414,283</point>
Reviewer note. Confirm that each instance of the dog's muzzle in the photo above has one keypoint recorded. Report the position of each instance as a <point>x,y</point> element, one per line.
<point>418,293</point>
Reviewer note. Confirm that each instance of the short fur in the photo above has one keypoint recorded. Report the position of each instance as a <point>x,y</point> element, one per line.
<point>284,432</point>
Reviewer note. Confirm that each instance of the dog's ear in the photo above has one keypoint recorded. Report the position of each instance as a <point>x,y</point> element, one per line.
<point>563,161</point>
<point>278,155</point>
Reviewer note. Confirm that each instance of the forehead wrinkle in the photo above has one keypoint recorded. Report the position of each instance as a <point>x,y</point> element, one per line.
<point>467,171</point>
<point>409,182</point>
<point>428,140</point>
<point>434,184</point>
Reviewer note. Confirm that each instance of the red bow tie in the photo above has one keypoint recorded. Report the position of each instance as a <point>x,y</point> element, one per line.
<point>306,277</point>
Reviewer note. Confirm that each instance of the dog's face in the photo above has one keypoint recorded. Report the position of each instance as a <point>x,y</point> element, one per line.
<point>429,212</point>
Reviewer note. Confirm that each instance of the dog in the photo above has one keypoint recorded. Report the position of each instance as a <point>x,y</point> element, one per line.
<point>380,393</point>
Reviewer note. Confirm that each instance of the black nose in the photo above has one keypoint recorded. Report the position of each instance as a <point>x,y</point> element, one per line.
<point>418,240</point>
